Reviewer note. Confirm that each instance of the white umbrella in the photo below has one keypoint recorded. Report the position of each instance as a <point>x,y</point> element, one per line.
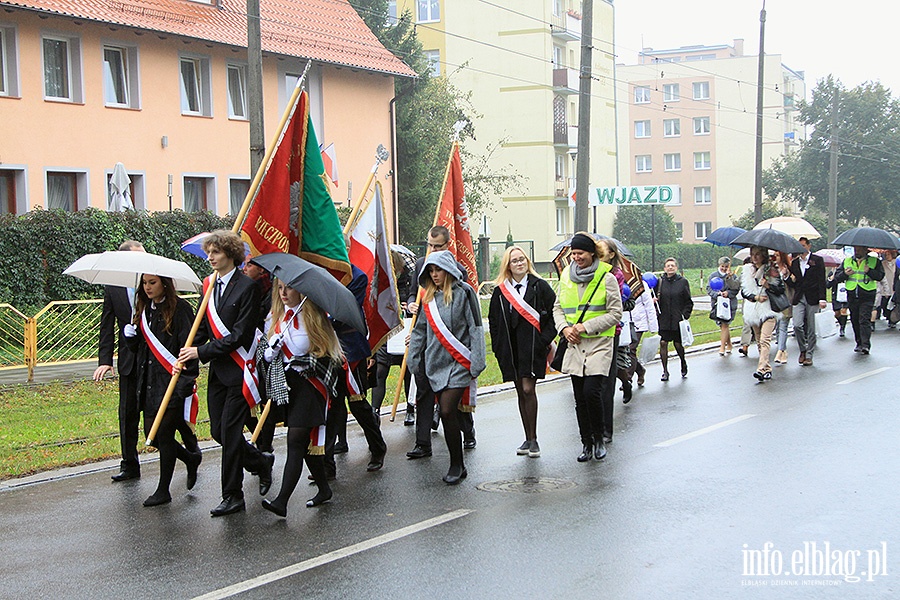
<point>120,190</point>
<point>793,226</point>
<point>124,269</point>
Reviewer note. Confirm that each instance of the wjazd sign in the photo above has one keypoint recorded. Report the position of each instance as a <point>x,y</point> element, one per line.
<point>636,195</point>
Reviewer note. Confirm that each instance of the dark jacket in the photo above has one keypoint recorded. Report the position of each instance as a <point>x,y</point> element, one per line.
<point>810,286</point>
<point>115,315</point>
<point>239,310</point>
<point>520,349</point>
<point>675,302</point>
<point>354,344</point>
<point>152,378</point>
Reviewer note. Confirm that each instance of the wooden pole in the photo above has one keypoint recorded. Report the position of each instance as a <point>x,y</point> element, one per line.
<point>238,221</point>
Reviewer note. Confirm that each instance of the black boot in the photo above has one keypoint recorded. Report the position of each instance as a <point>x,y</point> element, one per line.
<point>587,453</point>
<point>599,450</point>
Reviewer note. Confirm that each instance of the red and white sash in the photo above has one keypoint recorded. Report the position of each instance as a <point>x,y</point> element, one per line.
<point>291,316</point>
<point>355,391</point>
<point>457,350</point>
<point>317,435</point>
<point>518,303</point>
<point>168,360</point>
<point>245,358</point>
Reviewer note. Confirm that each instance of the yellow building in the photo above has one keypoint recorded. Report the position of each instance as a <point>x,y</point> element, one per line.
<point>160,85</point>
<point>688,118</point>
<point>520,61</point>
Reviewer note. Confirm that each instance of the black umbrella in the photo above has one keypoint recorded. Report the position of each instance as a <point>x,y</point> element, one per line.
<point>769,238</point>
<point>317,284</point>
<point>597,236</point>
<point>723,236</point>
<point>870,237</point>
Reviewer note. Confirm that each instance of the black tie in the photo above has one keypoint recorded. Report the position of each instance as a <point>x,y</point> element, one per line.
<point>519,288</point>
<point>220,287</point>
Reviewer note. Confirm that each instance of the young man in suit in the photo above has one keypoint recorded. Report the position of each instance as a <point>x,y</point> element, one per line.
<point>234,310</point>
<point>118,310</point>
<point>807,279</point>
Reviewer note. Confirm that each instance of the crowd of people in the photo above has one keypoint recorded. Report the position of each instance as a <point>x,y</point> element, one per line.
<point>311,368</point>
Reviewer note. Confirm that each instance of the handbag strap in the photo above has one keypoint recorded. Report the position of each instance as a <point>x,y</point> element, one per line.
<point>588,303</point>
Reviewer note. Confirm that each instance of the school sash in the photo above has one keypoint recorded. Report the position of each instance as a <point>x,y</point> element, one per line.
<point>355,391</point>
<point>317,435</point>
<point>525,310</point>
<point>244,358</point>
<point>457,350</point>
<point>168,360</point>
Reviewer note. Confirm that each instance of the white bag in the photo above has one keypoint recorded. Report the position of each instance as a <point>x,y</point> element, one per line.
<point>841,295</point>
<point>826,326</point>
<point>723,308</point>
<point>687,336</point>
<point>625,335</point>
<point>649,348</point>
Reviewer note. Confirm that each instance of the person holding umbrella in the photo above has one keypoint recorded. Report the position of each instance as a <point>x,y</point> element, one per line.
<point>758,280</point>
<point>861,274</point>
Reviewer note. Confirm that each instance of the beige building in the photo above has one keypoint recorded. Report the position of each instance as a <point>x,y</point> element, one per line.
<point>520,62</point>
<point>688,118</point>
<point>160,85</point>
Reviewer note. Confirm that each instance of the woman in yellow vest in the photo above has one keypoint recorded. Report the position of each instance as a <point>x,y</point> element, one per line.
<point>586,312</point>
<point>861,273</point>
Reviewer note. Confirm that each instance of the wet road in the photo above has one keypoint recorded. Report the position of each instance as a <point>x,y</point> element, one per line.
<point>702,474</point>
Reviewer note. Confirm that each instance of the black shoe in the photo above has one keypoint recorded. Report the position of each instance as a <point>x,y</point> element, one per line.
<point>864,350</point>
<point>759,375</point>
<point>767,375</point>
<point>436,419</point>
<point>193,466</point>
<point>376,463</point>
<point>419,452</point>
<point>665,377</point>
<point>125,475</point>
<point>535,450</point>
<point>587,453</point>
<point>599,450</point>
<point>455,479</point>
<point>469,444</point>
<point>857,349</point>
<point>524,448</point>
<point>684,370</point>
<point>272,508</point>
<point>607,438</point>
<point>626,389</point>
<point>341,448</point>
<point>158,498</point>
<point>228,506</point>
<point>265,473</point>
<point>410,419</point>
<point>321,498</point>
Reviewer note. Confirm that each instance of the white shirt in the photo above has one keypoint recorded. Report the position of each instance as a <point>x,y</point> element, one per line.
<point>804,263</point>
<point>293,331</point>
<point>523,283</point>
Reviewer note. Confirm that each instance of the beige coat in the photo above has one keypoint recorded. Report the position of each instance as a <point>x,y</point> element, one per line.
<point>592,356</point>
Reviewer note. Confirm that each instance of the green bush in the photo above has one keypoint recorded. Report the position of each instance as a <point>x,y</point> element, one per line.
<point>689,256</point>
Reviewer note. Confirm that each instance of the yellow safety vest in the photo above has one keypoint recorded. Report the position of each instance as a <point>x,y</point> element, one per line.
<point>572,305</point>
<point>859,277</point>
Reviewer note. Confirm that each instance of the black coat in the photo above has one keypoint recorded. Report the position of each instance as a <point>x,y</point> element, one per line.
<point>810,286</point>
<point>675,302</point>
<point>520,350</point>
<point>152,378</point>
<point>115,315</point>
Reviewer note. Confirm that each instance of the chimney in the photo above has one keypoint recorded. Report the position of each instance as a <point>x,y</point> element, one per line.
<point>739,46</point>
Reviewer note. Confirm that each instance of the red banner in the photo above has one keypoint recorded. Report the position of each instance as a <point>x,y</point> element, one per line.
<point>453,213</point>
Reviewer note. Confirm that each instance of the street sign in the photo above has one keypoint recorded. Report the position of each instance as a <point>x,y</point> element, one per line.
<point>636,195</point>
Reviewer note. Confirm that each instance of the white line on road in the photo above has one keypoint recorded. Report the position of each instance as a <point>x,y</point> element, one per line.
<point>312,563</point>
<point>863,376</point>
<point>699,432</point>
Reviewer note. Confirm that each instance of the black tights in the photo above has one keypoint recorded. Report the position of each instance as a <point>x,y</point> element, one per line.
<point>528,407</point>
<point>169,448</point>
<point>297,450</point>
<point>448,400</point>
<point>664,355</point>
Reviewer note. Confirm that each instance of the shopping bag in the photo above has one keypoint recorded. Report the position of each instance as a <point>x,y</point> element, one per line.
<point>625,336</point>
<point>649,348</point>
<point>841,295</point>
<point>826,326</point>
<point>687,336</point>
<point>723,308</point>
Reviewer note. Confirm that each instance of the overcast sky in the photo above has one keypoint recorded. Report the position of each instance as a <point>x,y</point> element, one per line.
<point>853,40</point>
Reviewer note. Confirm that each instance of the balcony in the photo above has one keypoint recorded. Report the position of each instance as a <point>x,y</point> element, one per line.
<point>565,136</point>
<point>565,81</point>
<point>566,27</point>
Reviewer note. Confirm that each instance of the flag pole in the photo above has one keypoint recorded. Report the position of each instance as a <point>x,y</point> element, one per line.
<point>437,214</point>
<point>238,221</point>
<point>381,155</point>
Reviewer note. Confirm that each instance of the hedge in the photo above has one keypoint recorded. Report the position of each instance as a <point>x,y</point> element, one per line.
<point>689,256</point>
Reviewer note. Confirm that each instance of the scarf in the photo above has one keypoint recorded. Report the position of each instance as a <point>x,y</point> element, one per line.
<point>579,275</point>
<point>325,369</point>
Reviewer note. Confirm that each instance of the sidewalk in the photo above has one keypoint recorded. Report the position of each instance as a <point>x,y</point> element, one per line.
<point>44,373</point>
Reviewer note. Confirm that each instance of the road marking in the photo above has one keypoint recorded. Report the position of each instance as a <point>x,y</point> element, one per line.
<point>699,432</point>
<point>306,565</point>
<point>863,376</point>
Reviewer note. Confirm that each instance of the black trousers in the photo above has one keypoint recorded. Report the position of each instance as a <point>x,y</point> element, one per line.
<point>228,412</point>
<point>860,318</point>
<point>383,364</point>
<point>129,423</point>
<point>609,391</point>
<point>425,404</point>
<point>589,406</point>
<point>267,433</point>
<point>363,413</point>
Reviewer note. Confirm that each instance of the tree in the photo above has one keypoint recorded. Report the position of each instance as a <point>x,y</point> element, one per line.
<point>868,133</point>
<point>633,226</point>
<point>770,210</point>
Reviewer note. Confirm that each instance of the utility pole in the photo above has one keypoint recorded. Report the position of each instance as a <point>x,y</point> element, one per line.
<point>583,168</point>
<point>255,87</point>
<point>833,168</point>
<point>757,202</point>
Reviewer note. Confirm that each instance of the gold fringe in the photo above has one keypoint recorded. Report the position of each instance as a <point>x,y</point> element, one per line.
<point>357,398</point>
<point>466,408</point>
<point>316,450</point>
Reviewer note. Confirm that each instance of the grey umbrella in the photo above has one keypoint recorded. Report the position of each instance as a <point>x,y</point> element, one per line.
<point>870,237</point>
<point>317,284</point>
<point>769,238</point>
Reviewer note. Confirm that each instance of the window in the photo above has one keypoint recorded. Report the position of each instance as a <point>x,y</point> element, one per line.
<point>562,219</point>
<point>196,95</point>
<point>641,94</point>
<point>671,93</point>
<point>703,195</point>
<point>642,129</point>
<point>199,194</point>
<point>643,163</point>
<point>392,12</point>
<point>237,191</point>
<point>237,91</point>
<point>559,57</point>
<point>9,188</point>
<point>679,231</point>
<point>434,61</point>
<point>672,127</point>
<point>9,62</point>
<point>701,161</point>
<point>558,8</point>
<point>120,77</point>
<point>428,11</point>
<point>672,162</point>
<point>701,90</point>
<point>66,190</point>
<point>62,68</point>
<point>701,125</point>
<point>702,229</point>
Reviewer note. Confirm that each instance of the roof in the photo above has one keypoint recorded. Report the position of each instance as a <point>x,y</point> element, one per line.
<point>329,31</point>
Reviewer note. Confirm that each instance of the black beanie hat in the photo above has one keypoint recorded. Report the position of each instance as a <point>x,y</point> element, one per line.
<point>583,242</point>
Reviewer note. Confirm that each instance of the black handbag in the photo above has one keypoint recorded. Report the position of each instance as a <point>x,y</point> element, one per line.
<point>563,345</point>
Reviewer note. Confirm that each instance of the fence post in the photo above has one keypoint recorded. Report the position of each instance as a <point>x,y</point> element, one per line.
<point>30,346</point>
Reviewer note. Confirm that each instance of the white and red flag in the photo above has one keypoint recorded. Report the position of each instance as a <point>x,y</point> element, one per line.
<point>370,252</point>
<point>329,159</point>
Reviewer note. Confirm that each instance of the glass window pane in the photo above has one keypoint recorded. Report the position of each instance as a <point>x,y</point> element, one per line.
<point>236,91</point>
<point>116,90</point>
<point>61,191</point>
<point>190,87</point>
<point>237,192</point>
<point>56,68</point>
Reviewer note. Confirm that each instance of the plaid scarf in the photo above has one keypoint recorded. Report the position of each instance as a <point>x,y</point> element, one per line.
<point>326,369</point>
